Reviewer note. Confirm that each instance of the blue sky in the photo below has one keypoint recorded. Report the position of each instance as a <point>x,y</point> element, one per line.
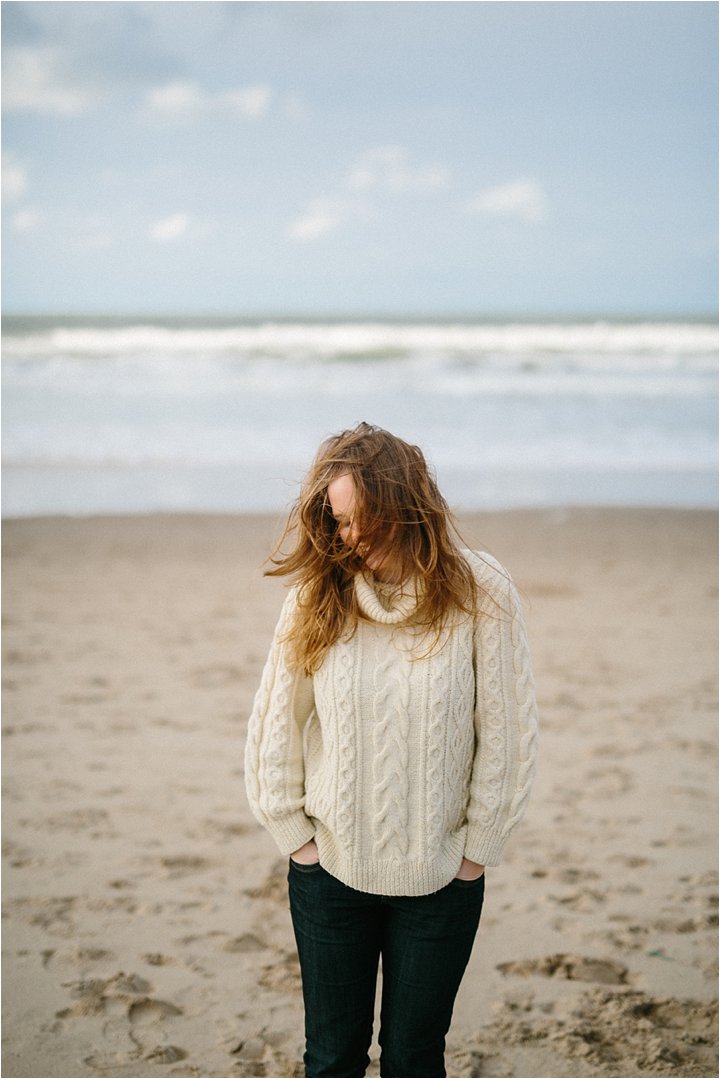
<point>348,158</point>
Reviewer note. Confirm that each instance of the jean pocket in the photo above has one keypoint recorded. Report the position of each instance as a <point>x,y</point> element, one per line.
<point>312,867</point>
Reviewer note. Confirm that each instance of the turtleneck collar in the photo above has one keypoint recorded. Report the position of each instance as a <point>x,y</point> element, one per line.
<point>387,604</point>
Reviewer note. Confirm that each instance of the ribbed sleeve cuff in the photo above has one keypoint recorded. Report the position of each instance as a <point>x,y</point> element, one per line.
<point>485,848</point>
<point>291,832</point>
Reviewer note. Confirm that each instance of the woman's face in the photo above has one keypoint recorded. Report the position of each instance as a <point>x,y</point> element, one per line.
<point>342,498</point>
<point>341,494</point>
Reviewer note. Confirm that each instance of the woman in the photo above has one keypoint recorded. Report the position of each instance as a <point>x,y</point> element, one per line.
<point>390,750</point>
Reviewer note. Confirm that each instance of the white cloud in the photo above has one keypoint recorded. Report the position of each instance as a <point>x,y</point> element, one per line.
<point>250,102</point>
<point>169,228</point>
<point>26,220</point>
<point>380,171</point>
<point>321,216</point>
<point>34,81</point>
<point>186,100</point>
<point>14,178</point>
<point>524,200</point>
<point>387,168</point>
<point>175,99</point>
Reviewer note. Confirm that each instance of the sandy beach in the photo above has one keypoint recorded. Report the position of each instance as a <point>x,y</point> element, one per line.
<point>146,930</point>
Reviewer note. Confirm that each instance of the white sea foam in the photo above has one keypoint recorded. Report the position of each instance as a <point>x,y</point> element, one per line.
<point>345,340</point>
<point>293,360</point>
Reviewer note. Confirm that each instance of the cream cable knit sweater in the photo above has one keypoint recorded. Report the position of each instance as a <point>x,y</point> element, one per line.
<point>399,766</point>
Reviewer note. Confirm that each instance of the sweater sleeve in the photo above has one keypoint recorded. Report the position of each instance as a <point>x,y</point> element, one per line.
<point>505,718</point>
<point>274,766</point>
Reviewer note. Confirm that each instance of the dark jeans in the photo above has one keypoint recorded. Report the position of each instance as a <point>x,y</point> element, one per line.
<point>425,943</point>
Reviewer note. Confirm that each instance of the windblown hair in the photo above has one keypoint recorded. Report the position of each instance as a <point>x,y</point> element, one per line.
<point>397,503</point>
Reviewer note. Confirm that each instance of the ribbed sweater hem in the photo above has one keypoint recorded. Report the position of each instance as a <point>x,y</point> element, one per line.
<point>391,876</point>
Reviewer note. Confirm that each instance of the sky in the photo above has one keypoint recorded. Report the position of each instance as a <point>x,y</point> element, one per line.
<point>420,158</point>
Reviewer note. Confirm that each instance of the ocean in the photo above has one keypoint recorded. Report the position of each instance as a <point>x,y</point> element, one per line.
<point>130,415</point>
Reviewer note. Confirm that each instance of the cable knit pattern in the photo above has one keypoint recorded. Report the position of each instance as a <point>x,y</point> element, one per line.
<point>434,719</point>
<point>390,756</point>
<point>527,727</point>
<point>460,735</point>
<point>408,762</point>
<point>338,682</point>
<point>492,747</point>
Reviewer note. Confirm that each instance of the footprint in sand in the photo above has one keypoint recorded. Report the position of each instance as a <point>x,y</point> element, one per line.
<point>147,1010</point>
<point>628,938</point>
<point>76,957</point>
<point>157,959</point>
<point>256,1056</point>
<point>572,967</point>
<point>248,942</point>
<point>91,999</point>
<point>183,864</point>
<point>126,995</point>
<point>584,900</point>
<point>575,875</point>
<point>274,887</point>
<point>632,861</point>
<point>51,914</point>
<point>282,974</point>
<point>687,925</point>
<point>568,875</point>
<point>166,1054</point>
<point>611,1032</point>
<point>20,857</point>
<point>94,995</point>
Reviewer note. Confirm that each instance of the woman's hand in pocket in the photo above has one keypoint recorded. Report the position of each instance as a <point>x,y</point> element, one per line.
<point>469,870</point>
<point>306,855</point>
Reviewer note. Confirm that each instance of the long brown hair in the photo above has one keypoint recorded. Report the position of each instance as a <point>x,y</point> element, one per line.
<point>396,500</point>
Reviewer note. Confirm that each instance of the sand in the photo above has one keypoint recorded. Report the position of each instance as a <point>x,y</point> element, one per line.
<point>146,928</point>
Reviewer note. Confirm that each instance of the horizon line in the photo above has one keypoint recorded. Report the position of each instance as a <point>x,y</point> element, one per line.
<point>375,316</point>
